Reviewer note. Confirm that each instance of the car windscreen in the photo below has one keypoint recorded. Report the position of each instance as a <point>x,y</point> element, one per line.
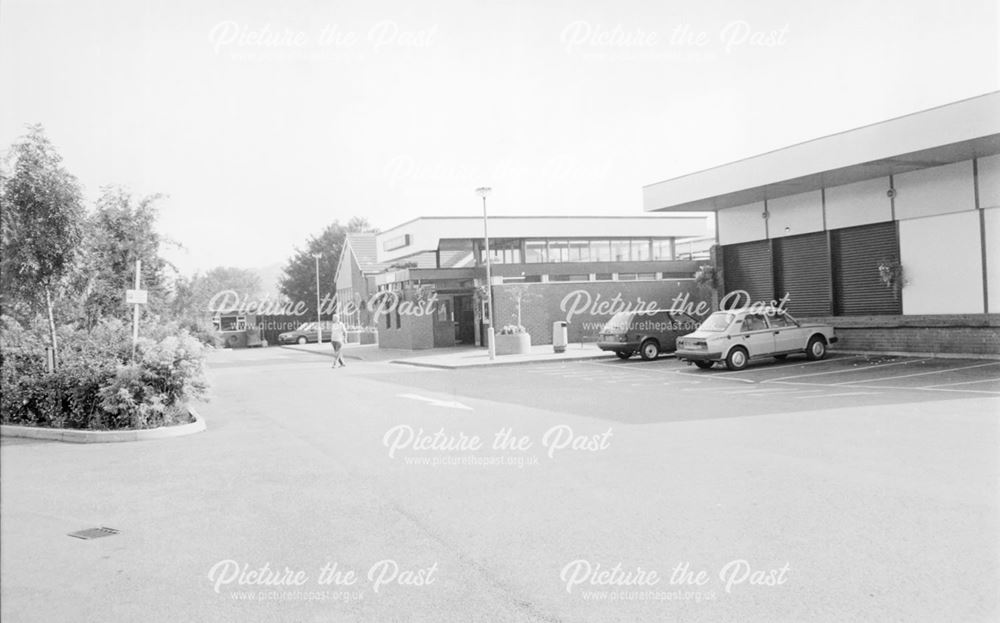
<point>719,321</point>
<point>619,323</point>
<point>307,326</point>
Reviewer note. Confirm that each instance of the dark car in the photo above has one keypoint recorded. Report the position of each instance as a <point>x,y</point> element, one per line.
<point>646,333</point>
<point>305,333</point>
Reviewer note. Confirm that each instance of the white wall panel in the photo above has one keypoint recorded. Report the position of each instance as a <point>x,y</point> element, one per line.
<point>942,277</point>
<point>800,214</point>
<point>938,190</point>
<point>860,203</point>
<point>992,222</point>
<point>741,224</point>
<point>989,182</point>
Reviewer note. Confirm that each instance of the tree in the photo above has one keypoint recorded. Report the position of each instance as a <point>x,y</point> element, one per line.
<point>193,295</point>
<point>299,280</point>
<point>120,231</point>
<point>43,214</point>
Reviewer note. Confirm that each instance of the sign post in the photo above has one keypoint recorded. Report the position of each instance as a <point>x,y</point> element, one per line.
<point>136,297</point>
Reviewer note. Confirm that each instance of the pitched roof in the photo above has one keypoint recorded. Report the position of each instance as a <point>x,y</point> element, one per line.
<point>364,249</point>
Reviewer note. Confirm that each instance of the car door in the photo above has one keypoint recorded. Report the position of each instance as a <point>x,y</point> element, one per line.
<point>756,336</point>
<point>787,335</point>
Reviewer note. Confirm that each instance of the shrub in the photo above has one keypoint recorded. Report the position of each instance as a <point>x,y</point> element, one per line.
<point>97,385</point>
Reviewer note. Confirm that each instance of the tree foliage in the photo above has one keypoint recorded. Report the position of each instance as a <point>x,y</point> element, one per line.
<point>192,295</point>
<point>120,231</point>
<point>42,215</point>
<point>299,280</point>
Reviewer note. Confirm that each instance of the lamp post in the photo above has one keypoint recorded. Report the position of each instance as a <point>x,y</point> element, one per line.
<point>319,317</point>
<point>490,333</point>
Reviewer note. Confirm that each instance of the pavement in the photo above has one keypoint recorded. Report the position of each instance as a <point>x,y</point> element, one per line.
<point>853,489</point>
<point>456,357</point>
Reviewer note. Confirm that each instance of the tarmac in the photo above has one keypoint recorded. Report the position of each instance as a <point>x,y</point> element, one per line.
<point>457,357</point>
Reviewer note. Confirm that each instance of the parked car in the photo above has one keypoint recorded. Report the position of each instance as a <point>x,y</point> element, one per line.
<point>305,333</point>
<point>648,333</point>
<point>737,337</point>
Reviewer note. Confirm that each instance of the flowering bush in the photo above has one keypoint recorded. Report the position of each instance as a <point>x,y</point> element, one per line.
<point>97,385</point>
<point>512,329</point>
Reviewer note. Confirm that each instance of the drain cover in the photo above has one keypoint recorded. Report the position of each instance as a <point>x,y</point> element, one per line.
<point>93,533</point>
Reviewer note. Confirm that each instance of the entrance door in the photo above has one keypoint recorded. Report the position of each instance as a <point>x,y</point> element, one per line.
<point>465,320</point>
<point>444,323</point>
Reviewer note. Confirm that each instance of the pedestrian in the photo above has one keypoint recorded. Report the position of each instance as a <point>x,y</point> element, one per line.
<point>337,336</point>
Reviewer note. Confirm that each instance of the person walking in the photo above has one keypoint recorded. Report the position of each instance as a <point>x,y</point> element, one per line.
<point>338,335</point>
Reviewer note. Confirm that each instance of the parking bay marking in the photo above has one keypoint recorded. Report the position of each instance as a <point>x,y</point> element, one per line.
<point>906,376</point>
<point>877,365</point>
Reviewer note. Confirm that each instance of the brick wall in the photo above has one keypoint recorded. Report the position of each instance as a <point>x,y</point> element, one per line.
<point>972,334</point>
<point>544,304</point>
<point>414,333</point>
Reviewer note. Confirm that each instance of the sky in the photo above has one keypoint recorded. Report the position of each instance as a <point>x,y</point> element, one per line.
<point>263,122</point>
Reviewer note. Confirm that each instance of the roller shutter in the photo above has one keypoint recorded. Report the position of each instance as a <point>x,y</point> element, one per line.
<point>856,252</point>
<point>747,266</point>
<point>802,269</point>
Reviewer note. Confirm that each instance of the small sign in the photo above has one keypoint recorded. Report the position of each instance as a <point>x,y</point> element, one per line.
<point>136,297</point>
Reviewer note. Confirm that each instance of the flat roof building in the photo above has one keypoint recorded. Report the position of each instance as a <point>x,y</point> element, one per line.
<point>890,231</point>
<point>536,262</point>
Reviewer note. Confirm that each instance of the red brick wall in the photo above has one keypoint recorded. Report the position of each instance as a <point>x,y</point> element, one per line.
<point>973,334</point>
<point>544,304</point>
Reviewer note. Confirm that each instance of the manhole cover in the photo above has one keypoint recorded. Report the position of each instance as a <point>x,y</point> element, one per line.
<point>93,533</point>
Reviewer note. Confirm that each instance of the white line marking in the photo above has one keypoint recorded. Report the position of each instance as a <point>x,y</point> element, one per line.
<point>965,383</point>
<point>878,365</point>
<point>849,394</point>
<point>448,404</point>
<point>906,376</point>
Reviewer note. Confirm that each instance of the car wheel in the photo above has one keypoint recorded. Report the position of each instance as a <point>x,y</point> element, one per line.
<point>623,354</point>
<point>649,350</point>
<point>737,359</point>
<point>302,339</point>
<point>704,365</point>
<point>816,349</point>
<point>781,357</point>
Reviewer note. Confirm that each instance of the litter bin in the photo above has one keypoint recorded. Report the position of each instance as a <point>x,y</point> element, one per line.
<point>560,336</point>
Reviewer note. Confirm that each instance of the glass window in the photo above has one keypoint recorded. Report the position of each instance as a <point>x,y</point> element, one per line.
<point>781,320</point>
<point>558,250</point>
<point>754,322</point>
<point>535,252</point>
<point>600,251</point>
<point>645,276</point>
<point>619,323</point>
<point>604,277</point>
<point>579,250</point>
<point>620,250</point>
<point>627,276</point>
<point>661,250</point>
<point>717,322</point>
<point>640,250</point>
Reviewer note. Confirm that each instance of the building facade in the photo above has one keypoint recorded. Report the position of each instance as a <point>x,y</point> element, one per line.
<point>428,284</point>
<point>891,232</point>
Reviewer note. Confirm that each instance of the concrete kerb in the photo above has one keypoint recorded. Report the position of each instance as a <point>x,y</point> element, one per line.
<point>105,436</point>
<point>499,362</point>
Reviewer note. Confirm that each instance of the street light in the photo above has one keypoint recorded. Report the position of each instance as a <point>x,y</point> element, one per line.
<point>319,317</point>
<point>491,345</point>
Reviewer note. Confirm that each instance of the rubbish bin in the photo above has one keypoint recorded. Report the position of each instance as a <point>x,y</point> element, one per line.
<point>560,336</point>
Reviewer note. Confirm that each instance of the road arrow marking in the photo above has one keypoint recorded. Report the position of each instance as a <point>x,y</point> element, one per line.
<point>448,404</point>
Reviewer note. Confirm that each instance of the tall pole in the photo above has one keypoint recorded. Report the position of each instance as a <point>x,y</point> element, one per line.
<point>135,311</point>
<point>319,317</point>
<point>490,330</point>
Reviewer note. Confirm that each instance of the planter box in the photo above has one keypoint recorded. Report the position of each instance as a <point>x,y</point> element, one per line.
<point>516,344</point>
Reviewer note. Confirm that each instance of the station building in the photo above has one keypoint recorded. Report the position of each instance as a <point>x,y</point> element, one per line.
<point>544,269</point>
<point>891,232</point>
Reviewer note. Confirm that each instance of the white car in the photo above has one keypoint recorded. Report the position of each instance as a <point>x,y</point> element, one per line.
<point>736,337</point>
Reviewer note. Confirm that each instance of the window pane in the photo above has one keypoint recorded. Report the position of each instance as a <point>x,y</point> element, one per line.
<point>620,251</point>
<point>626,276</point>
<point>604,276</point>
<point>558,251</point>
<point>579,251</point>
<point>640,250</point>
<point>534,252</point>
<point>661,250</point>
<point>600,250</point>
